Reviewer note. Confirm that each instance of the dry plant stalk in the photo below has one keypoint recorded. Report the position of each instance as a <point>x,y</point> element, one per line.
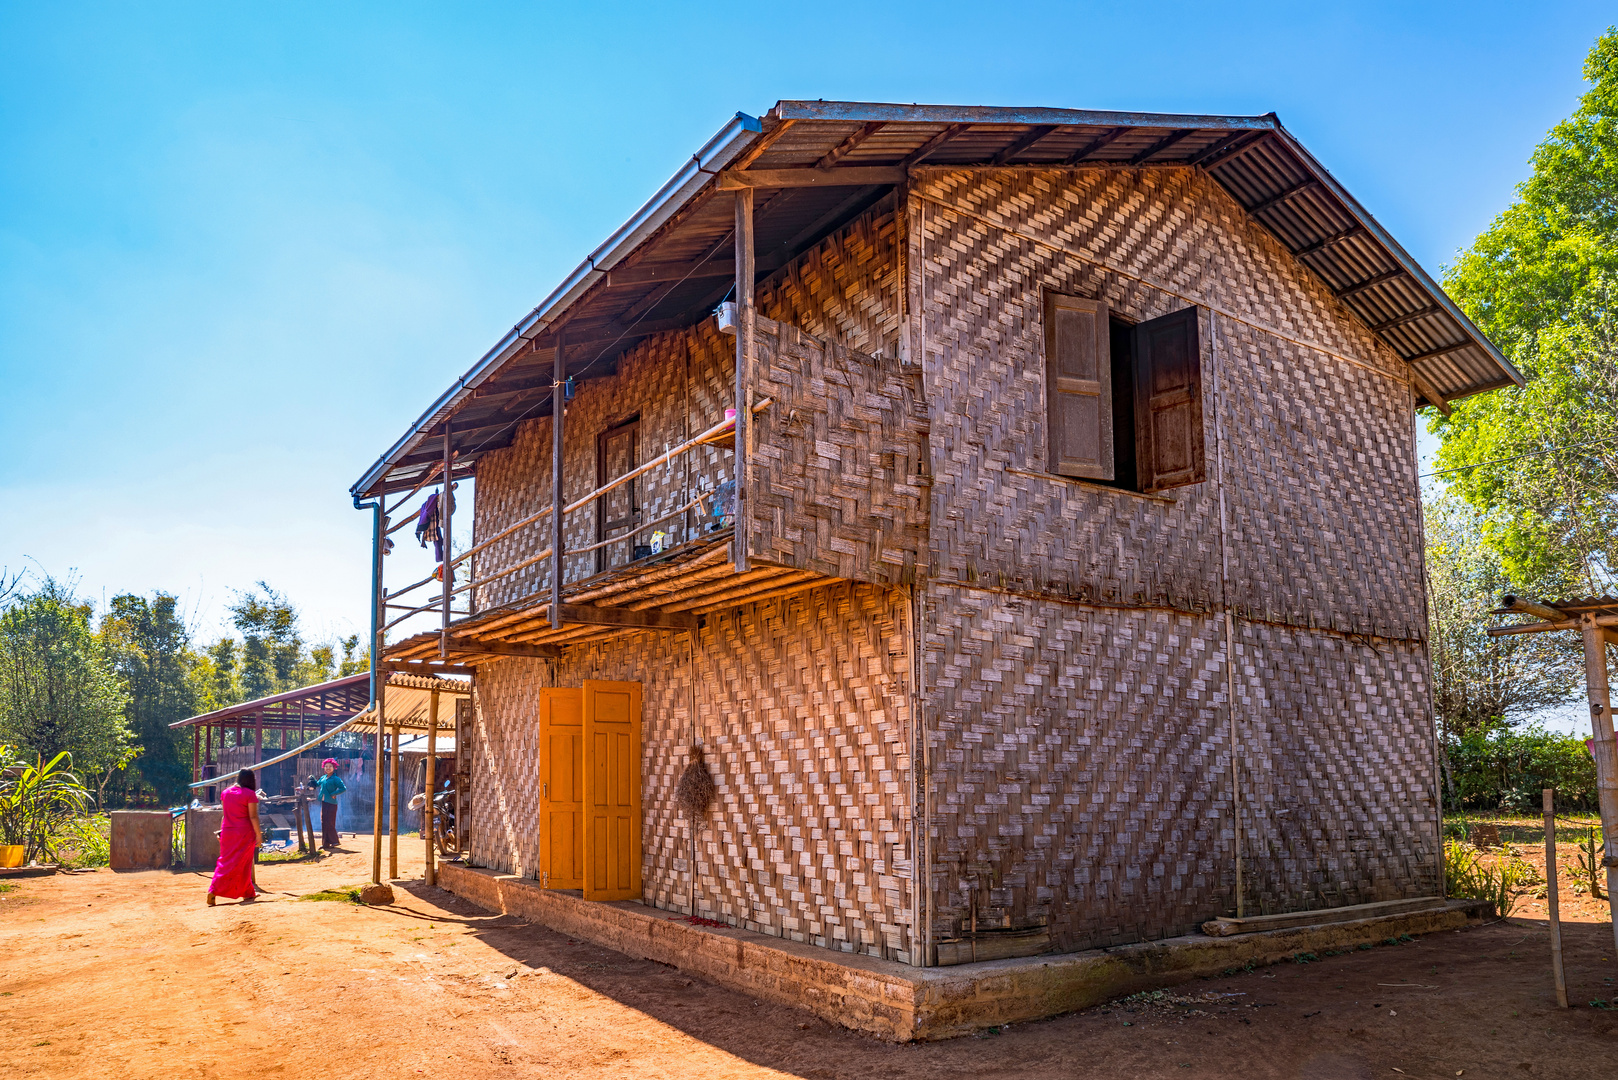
<point>696,790</point>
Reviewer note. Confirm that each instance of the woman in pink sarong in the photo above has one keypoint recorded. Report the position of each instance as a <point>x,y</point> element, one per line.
<point>238,840</point>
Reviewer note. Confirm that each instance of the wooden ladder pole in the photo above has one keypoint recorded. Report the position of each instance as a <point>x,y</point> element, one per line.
<point>446,514</point>
<point>1550,891</point>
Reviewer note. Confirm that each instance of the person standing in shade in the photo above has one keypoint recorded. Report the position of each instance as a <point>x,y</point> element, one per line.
<point>328,787</point>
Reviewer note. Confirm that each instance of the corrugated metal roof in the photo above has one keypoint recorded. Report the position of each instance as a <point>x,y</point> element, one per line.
<point>670,263</point>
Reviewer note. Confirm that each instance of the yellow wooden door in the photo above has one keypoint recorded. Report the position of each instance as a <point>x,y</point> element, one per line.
<point>561,791</point>
<point>611,790</point>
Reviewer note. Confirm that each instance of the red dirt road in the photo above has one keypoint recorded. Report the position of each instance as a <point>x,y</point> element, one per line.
<point>130,975</point>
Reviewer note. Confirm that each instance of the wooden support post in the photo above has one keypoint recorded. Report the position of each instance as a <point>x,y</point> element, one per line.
<point>376,826</point>
<point>446,514</point>
<point>393,808</point>
<point>428,815</point>
<point>744,370</point>
<point>1606,754</point>
<point>558,411</point>
<point>1550,891</point>
<point>196,754</point>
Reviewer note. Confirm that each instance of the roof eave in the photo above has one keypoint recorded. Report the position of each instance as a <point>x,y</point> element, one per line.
<point>715,154</point>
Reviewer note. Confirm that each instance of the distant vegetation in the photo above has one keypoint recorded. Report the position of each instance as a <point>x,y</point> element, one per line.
<point>1525,499</point>
<point>105,688</point>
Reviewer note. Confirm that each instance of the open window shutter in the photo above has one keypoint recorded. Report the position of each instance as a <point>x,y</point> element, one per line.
<point>1168,402</point>
<point>1078,387</point>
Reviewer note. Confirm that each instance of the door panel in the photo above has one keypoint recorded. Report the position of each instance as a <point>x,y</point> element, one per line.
<point>561,799</point>
<point>612,834</point>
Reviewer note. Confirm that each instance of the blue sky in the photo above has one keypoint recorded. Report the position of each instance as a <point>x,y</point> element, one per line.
<point>243,246</point>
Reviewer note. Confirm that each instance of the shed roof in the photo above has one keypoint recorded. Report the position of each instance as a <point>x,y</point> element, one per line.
<point>669,264</point>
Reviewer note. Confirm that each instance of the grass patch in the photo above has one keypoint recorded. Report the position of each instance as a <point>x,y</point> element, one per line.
<point>289,855</point>
<point>7,886</point>
<point>343,894</point>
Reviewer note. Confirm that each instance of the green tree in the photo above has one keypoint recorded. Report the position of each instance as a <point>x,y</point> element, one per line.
<point>216,676</point>
<point>1540,463</point>
<point>271,644</point>
<point>58,689</point>
<point>149,645</point>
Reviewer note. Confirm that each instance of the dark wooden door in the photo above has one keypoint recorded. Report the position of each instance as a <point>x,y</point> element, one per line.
<point>618,511</point>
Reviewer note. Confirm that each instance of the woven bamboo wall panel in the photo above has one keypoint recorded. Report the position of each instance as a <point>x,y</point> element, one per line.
<point>836,472</point>
<point>1320,451</point>
<point>1081,768</point>
<point>1336,765</point>
<point>678,384</point>
<point>844,289</point>
<point>802,708</point>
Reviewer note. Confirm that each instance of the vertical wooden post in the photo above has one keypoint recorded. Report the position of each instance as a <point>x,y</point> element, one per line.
<point>1606,754</point>
<point>446,507</point>
<point>427,812</point>
<point>196,754</point>
<point>1550,891</point>
<point>393,807</point>
<point>745,272</point>
<point>376,817</point>
<point>558,410</point>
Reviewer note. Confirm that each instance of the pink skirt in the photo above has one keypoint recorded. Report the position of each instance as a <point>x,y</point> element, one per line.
<point>233,876</point>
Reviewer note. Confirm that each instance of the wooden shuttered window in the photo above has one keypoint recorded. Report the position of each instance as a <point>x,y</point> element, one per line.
<point>1168,402</point>
<point>1078,387</point>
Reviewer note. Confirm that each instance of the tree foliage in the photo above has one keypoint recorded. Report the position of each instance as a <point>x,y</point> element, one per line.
<point>59,692</point>
<point>150,647</point>
<point>1479,681</point>
<point>1540,463</point>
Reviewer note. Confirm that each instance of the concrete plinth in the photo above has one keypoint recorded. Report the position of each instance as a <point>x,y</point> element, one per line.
<point>902,1003</point>
<point>142,840</point>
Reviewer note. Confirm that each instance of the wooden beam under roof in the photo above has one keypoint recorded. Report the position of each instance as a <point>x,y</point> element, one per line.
<point>1161,145</point>
<point>1371,283</point>
<point>922,152</point>
<point>503,648</point>
<point>848,145</point>
<point>1282,196</point>
<point>1098,143</point>
<point>1028,139</point>
<point>732,180</point>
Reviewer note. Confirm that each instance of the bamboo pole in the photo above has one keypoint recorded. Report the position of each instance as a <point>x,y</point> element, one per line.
<point>376,825</point>
<point>1606,754</point>
<point>427,812</point>
<point>446,512</point>
<point>393,808</point>
<point>558,412</point>
<point>1550,891</point>
<point>744,366</point>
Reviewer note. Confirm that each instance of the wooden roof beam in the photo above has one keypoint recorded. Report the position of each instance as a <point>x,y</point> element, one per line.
<point>1283,196</point>
<point>1023,144</point>
<point>1162,144</point>
<point>498,649</point>
<point>1100,142</point>
<point>925,150</point>
<point>850,144</point>
<point>733,180</point>
<point>1371,283</point>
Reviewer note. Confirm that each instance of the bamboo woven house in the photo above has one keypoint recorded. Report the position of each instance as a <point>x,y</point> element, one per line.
<point>1054,579</point>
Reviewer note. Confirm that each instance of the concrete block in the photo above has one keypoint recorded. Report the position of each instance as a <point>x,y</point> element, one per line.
<point>142,840</point>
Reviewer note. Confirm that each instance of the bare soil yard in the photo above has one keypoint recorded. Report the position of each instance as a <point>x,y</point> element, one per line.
<point>129,974</point>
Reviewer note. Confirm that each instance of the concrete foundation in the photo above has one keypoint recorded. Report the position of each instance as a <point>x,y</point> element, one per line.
<point>142,840</point>
<point>902,1003</point>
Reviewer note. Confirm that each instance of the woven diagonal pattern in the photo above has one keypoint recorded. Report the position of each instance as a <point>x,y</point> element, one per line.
<point>1082,769</point>
<point>835,481</point>
<point>844,289</point>
<point>1320,451</point>
<point>1336,766</point>
<point>652,382</point>
<point>802,710</point>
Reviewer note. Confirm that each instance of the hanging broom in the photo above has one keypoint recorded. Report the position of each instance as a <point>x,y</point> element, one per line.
<point>695,791</point>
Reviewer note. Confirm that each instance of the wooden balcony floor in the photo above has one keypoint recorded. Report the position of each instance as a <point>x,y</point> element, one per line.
<point>666,592</point>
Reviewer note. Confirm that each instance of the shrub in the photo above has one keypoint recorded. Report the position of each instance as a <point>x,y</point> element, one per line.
<point>1498,767</point>
<point>1467,876</point>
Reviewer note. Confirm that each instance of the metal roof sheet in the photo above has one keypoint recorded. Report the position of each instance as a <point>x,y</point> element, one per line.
<point>669,264</point>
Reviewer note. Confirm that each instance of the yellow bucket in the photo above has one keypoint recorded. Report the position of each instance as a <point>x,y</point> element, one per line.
<point>11,855</point>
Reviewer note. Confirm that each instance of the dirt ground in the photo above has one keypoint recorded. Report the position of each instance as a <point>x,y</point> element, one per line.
<point>129,974</point>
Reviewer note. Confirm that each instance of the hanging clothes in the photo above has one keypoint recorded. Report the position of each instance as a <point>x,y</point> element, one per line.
<point>427,522</point>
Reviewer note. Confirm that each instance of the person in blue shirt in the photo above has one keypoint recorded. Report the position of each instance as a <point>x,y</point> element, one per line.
<point>328,787</point>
